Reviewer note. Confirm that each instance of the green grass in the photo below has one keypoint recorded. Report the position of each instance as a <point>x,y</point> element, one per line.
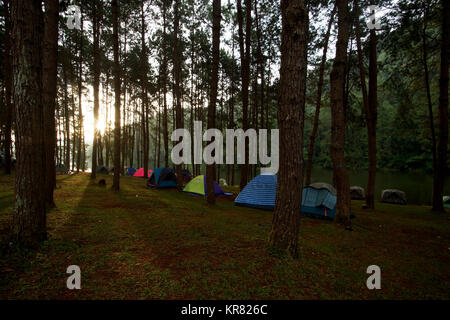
<point>162,244</point>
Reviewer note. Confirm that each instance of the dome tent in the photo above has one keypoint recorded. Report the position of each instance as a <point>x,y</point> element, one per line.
<point>162,178</point>
<point>318,200</point>
<point>130,171</point>
<point>259,193</point>
<point>140,173</point>
<point>198,186</point>
<point>102,170</point>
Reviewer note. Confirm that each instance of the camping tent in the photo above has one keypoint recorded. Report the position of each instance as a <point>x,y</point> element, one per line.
<point>140,173</point>
<point>318,199</point>
<point>130,171</point>
<point>102,170</point>
<point>61,169</point>
<point>187,176</point>
<point>162,178</point>
<point>446,200</point>
<point>198,186</point>
<point>259,193</point>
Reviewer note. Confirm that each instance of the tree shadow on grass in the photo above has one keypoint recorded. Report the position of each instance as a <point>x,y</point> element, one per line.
<point>24,271</point>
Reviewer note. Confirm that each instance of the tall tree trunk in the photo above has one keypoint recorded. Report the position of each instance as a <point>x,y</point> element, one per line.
<point>291,108</point>
<point>371,119</point>
<point>124,109</point>
<point>49,79</point>
<point>66,114</point>
<point>210,169</point>
<point>245,74</point>
<point>441,168</point>
<point>232,125</point>
<point>29,219</point>
<point>370,104</point>
<point>83,150</point>
<point>158,152</point>
<point>144,94</point>
<point>337,93</point>
<point>59,142</point>
<point>192,94</point>
<point>177,76</point>
<point>96,72</point>
<point>80,95</point>
<point>312,138</point>
<point>260,64</point>
<point>429,103</point>
<point>164,76</point>
<point>74,125</point>
<point>7,68</point>
<point>107,126</point>
<point>117,170</point>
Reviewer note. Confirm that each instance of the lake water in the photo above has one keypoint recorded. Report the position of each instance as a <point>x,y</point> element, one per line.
<point>417,185</point>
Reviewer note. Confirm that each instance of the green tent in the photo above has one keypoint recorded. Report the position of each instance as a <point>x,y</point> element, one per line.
<point>446,200</point>
<point>198,186</point>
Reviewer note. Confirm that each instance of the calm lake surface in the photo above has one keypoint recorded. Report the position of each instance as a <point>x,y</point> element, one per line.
<point>417,185</point>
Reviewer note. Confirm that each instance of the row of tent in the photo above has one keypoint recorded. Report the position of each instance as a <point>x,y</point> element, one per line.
<point>129,171</point>
<point>163,178</point>
<point>166,178</point>
<point>318,199</point>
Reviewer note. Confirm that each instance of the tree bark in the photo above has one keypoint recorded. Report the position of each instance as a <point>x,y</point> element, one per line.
<point>144,94</point>
<point>232,125</point>
<point>164,84</point>
<point>80,95</point>
<point>117,170</point>
<point>67,114</point>
<point>337,88</point>
<point>96,84</point>
<point>370,104</point>
<point>29,218</point>
<point>441,168</point>
<point>177,77</point>
<point>291,107</point>
<point>210,169</point>
<point>245,74</point>
<point>158,155</point>
<point>260,64</point>
<point>49,77</point>
<point>371,119</point>
<point>429,103</point>
<point>7,68</point>
<point>312,138</point>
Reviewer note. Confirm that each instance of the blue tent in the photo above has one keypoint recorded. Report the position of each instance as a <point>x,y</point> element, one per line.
<point>259,193</point>
<point>162,178</point>
<point>130,171</point>
<point>318,200</point>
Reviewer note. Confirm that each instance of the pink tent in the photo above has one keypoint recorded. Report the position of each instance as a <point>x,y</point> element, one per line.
<point>140,173</point>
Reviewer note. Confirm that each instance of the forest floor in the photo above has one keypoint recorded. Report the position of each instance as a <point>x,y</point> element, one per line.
<point>162,244</point>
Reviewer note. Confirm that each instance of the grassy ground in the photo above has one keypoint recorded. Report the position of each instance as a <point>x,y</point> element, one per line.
<point>161,244</point>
